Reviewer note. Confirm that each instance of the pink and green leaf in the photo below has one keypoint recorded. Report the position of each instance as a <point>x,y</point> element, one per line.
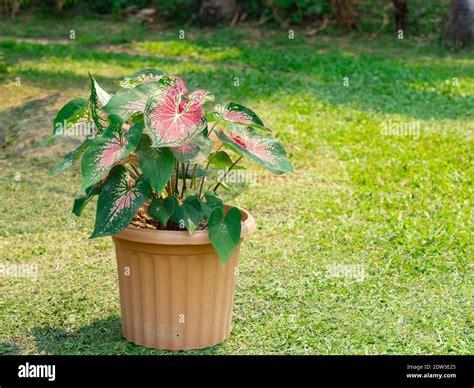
<point>107,150</point>
<point>266,151</point>
<point>141,77</point>
<point>119,200</point>
<point>200,96</point>
<point>234,112</point>
<point>171,119</point>
<point>194,151</point>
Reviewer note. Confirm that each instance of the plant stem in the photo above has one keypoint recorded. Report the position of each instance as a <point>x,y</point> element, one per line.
<point>132,174</point>
<point>176,189</point>
<point>207,167</point>
<point>193,177</point>
<point>213,155</point>
<point>217,122</point>
<point>184,172</point>
<point>168,188</point>
<point>135,169</point>
<point>230,168</point>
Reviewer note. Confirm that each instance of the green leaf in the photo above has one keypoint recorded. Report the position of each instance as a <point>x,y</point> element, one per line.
<point>221,160</point>
<point>141,77</point>
<point>188,192</point>
<point>98,99</point>
<point>212,202</point>
<point>74,112</point>
<point>156,163</point>
<point>189,213</point>
<point>213,116</point>
<point>194,151</point>
<point>108,149</point>
<point>162,210</point>
<point>266,151</point>
<point>224,232</point>
<point>199,172</point>
<point>127,102</point>
<point>119,201</point>
<point>138,117</point>
<point>81,202</point>
<point>225,186</point>
<point>70,158</point>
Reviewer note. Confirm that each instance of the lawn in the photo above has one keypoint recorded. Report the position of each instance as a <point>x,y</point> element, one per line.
<point>365,249</point>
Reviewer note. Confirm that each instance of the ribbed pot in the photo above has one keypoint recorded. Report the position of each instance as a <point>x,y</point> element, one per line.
<point>174,292</point>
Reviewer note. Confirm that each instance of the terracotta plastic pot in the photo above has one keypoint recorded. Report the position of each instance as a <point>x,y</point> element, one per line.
<point>175,294</point>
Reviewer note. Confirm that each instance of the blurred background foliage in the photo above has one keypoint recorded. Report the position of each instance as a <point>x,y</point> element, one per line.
<point>420,17</point>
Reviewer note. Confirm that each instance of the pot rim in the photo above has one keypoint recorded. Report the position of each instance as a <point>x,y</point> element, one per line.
<point>171,237</point>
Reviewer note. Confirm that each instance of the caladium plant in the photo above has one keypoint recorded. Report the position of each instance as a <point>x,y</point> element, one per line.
<point>151,151</point>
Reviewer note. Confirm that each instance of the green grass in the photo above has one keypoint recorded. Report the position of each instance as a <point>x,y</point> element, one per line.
<point>395,209</point>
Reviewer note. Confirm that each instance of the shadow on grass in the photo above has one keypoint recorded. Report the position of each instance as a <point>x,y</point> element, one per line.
<point>23,122</point>
<point>8,349</point>
<point>380,83</point>
<point>102,337</point>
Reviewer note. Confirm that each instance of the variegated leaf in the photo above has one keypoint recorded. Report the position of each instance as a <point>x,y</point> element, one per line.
<point>234,112</point>
<point>127,102</point>
<point>266,151</point>
<point>98,99</point>
<point>119,200</point>
<point>107,150</point>
<point>200,96</point>
<point>194,151</point>
<point>171,119</point>
<point>141,77</point>
<point>70,158</point>
<point>74,112</point>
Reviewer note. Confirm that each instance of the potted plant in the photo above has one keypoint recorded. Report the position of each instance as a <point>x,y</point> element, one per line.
<point>150,153</point>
